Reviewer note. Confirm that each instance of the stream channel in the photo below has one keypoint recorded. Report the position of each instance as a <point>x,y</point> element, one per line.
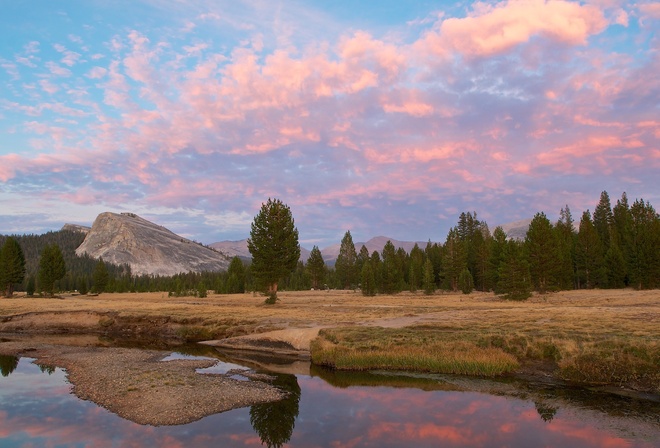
<point>325,408</point>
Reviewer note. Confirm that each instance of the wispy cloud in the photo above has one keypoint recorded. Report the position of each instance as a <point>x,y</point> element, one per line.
<point>507,109</point>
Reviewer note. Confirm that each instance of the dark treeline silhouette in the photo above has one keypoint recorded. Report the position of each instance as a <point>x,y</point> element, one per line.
<point>613,247</point>
<point>616,246</point>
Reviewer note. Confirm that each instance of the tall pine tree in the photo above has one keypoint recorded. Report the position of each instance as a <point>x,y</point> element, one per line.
<point>565,234</point>
<point>51,268</point>
<point>274,245</point>
<point>543,253</point>
<point>589,254</point>
<point>12,266</point>
<point>316,267</point>
<point>454,260</point>
<point>346,263</point>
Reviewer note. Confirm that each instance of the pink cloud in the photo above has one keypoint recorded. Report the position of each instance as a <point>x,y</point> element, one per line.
<point>597,148</point>
<point>490,30</point>
<point>650,10</point>
<point>57,70</point>
<point>48,86</point>
<point>97,72</point>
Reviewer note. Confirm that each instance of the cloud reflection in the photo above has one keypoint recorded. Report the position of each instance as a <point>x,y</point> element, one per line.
<point>37,409</point>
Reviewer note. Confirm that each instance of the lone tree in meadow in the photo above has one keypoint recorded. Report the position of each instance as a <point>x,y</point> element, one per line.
<point>12,266</point>
<point>274,246</point>
<point>51,268</point>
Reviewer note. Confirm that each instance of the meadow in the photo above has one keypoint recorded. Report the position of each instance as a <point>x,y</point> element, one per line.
<point>606,337</point>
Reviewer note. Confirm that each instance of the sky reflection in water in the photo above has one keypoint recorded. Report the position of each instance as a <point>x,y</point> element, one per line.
<point>36,409</point>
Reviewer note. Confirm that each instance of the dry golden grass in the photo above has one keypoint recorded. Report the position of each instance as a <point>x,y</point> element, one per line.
<point>592,335</point>
<point>588,312</point>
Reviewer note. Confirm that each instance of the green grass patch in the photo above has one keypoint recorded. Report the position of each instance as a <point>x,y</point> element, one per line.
<point>615,362</point>
<point>624,360</point>
<point>402,349</point>
<point>195,333</point>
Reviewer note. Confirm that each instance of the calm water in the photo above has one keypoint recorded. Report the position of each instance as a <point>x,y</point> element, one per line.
<point>331,410</point>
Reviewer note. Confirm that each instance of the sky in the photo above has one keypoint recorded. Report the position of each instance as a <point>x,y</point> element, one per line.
<point>382,118</point>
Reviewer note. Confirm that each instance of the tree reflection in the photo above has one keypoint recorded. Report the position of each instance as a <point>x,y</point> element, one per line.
<point>8,364</point>
<point>546,412</point>
<point>274,422</point>
<point>47,369</point>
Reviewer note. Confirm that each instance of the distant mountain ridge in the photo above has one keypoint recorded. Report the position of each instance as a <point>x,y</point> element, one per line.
<point>154,250</point>
<point>516,230</point>
<point>147,247</point>
<point>239,248</point>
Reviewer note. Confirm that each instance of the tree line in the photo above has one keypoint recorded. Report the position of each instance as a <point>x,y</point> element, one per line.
<point>616,246</point>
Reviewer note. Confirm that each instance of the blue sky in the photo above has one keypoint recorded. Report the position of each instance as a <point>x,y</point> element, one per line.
<point>383,118</point>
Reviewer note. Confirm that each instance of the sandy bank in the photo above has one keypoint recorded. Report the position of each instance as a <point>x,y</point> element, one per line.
<point>137,385</point>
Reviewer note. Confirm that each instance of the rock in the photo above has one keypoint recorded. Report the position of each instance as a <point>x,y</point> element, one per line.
<point>147,247</point>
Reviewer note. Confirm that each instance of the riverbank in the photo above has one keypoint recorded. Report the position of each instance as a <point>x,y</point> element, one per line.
<point>140,386</point>
<point>595,337</point>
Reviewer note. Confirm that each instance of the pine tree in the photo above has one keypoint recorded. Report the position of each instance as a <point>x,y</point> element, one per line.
<point>235,277</point>
<point>51,268</point>
<point>346,262</point>
<point>377,267</point>
<point>543,253</point>
<point>433,253</point>
<point>316,267</point>
<point>482,242</point>
<point>416,270</point>
<point>368,283</point>
<point>615,265</point>
<point>454,260</point>
<point>465,282</point>
<point>589,254</point>
<point>622,228</point>
<point>392,274</point>
<point>82,286</point>
<point>274,246</point>
<point>566,236</point>
<point>603,220</point>
<point>514,278</point>
<point>202,290</point>
<point>362,258</point>
<point>645,246</point>
<point>100,278</point>
<point>12,266</point>
<point>497,251</point>
<point>31,286</point>
<point>429,278</point>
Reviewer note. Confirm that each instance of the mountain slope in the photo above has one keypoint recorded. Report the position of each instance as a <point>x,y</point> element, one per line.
<point>147,247</point>
<point>516,230</point>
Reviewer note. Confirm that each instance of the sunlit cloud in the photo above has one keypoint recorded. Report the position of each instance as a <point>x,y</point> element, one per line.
<point>217,110</point>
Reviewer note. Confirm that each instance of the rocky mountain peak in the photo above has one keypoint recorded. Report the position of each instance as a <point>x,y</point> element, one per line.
<point>148,248</point>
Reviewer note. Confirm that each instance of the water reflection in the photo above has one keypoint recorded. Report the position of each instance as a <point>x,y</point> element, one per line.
<point>546,411</point>
<point>8,364</point>
<point>274,422</point>
<point>327,409</point>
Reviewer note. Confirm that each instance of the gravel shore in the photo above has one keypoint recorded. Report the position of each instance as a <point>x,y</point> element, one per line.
<point>138,386</point>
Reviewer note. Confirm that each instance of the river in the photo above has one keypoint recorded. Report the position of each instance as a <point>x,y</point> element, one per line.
<point>330,409</point>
